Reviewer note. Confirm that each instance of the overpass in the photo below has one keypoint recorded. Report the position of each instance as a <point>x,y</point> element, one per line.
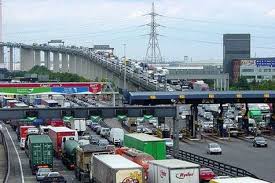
<point>74,60</point>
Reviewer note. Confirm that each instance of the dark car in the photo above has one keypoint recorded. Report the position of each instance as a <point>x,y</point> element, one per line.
<point>259,142</point>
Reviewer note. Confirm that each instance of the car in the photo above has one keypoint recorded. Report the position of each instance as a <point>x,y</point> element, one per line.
<point>95,127</point>
<point>41,173</point>
<point>102,142</point>
<point>93,139</point>
<point>104,132</point>
<point>208,115</point>
<point>148,131</point>
<point>98,130</point>
<point>53,177</point>
<point>214,148</point>
<point>169,142</point>
<point>140,129</point>
<point>259,142</point>
<point>206,174</point>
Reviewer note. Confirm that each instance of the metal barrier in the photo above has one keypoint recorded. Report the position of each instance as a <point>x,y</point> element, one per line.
<point>3,140</point>
<point>218,167</point>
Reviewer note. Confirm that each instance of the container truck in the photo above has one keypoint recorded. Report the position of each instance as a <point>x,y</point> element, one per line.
<point>136,156</point>
<point>115,169</point>
<point>146,143</point>
<point>79,124</point>
<point>40,151</point>
<point>173,171</point>
<point>237,180</point>
<point>23,132</point>
<point>83,159</point>
<point>68,153</point>
<point>59,135</point>
<point>55,122</point>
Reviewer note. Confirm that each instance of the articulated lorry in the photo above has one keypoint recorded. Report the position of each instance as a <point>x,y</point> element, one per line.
<point>68,153</point>
<point>40,151</point>
<point>83,159</point>
<point>115,169</point>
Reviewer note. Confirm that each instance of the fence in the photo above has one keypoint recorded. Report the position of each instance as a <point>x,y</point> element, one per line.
<point>3,141</point>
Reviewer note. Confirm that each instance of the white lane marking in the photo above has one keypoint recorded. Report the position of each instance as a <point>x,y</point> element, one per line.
<point>19,160</point>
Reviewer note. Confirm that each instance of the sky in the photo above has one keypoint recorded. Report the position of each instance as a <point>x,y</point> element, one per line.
<point>192,28</point>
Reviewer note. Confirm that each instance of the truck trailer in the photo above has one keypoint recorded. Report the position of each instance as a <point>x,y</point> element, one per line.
<point>146,143</point>
<point>83,159</point>
<point>40,151</point>
<point>173,171</point>
<point>68,153</point>
<point>59,135</point>
<point>115,169</point>
<point>23,131</point>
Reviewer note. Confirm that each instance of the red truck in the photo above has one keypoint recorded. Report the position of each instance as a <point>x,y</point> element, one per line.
<point>59,135</point>
<point>55,122</point>
<point>23,135</point>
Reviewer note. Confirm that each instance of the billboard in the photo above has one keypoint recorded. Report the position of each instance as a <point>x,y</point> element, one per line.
<point>258,62</point>
<point>95,88</point>
<point>73,90</point>
<point>25,91</point>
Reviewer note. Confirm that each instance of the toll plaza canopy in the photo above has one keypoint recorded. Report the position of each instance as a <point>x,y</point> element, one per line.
<point>199,97</point>
<point>51,88</point>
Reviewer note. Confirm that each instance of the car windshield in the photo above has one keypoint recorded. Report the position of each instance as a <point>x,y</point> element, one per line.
<point>54,174</point>
<point>214,146</point>
<point>259,139</point>
<point>42,170</point>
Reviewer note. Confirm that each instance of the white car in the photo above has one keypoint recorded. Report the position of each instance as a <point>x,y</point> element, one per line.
<point>214,148</point>
<point>169,142</point>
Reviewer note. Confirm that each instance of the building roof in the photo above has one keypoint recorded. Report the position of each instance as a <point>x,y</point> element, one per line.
<point>117,161</point>
<point>174,163</point>
<point>144,137</point>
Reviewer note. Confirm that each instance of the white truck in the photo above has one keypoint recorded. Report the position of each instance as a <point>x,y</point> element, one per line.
<point>237,180</point>
<point>173,171</point>
<point>115,169</point>
<point>78,124</point>
<point>116,136</point>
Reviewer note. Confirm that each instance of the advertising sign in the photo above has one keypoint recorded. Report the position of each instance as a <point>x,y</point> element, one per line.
<point>25,91</point>
<point>129,176</point>
<point>95,88</point>
<point>265,63</point>
<point>73,90</point>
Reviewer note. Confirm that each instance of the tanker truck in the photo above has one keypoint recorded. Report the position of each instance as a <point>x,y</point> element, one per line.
<point>68,153</point>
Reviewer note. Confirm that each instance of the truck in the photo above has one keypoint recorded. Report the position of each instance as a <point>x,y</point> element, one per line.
<point>116,136</point>
<point>23,131</point>
<point>173,171</point>
<point>83,159</point>
<point>79,124</point>
<point>146,143</point>
<point>237,180</point>
<point>68,153</point>
<point>59,135</point>
<point>40,151</point>
<point>136,156</point>
<point>115,169</point>
<point>55,122</point>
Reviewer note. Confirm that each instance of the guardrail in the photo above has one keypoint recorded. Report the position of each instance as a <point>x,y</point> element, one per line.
<point>3,140</point>
<point>218,167</point>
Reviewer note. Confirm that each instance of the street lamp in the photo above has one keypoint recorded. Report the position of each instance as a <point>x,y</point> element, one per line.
<point>124,81</point>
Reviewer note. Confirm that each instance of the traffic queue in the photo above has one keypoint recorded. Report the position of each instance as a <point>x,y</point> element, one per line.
<point>134,157</point>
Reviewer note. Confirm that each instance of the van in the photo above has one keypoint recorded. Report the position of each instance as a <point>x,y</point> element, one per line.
<point>104,132</point>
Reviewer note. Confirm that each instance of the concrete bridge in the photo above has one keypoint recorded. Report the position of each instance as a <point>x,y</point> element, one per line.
<point>74,60</point>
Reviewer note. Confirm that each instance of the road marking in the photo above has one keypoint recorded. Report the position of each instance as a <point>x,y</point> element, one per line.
<point>19,160</point>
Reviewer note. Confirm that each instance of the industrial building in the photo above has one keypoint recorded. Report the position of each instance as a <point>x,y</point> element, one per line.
<point>235,46</point>
<point>257,69</point>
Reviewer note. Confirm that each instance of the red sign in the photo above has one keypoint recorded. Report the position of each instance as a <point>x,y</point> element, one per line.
<point>95,88</point>
<point>36,85</point>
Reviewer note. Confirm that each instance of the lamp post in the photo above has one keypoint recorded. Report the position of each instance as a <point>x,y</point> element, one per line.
<point>124,81</point>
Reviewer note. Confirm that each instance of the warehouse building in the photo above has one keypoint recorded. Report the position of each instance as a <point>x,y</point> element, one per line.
<point>257,69</point>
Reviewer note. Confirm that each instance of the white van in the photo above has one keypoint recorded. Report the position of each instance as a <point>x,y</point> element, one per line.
<point>116,136</point>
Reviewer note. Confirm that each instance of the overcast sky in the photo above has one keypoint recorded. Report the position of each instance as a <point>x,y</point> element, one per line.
<point>192,27</point>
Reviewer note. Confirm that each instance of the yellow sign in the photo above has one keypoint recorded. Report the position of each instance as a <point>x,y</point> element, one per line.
<point>181,97</point>
<point>266,95</point>
<point>152,97</point>
<point>211,96</point>
<point>239,95</point>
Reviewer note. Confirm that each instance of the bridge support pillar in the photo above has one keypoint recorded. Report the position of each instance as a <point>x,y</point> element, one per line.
<point>86,68</point>
<point>194,121</point>
<point>91,70</point>
<point>220,128</point>
<point>64,63</point>
<point>11,58</point>
<point>176,136</point>
<point>78,65</point>
<point>56,61</point>
<point>37,57</point>
<point>26,59</point>
<point>2,55</point>
<point>47,59</point>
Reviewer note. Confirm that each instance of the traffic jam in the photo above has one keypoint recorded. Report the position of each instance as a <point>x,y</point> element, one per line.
<point>90,149</point>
